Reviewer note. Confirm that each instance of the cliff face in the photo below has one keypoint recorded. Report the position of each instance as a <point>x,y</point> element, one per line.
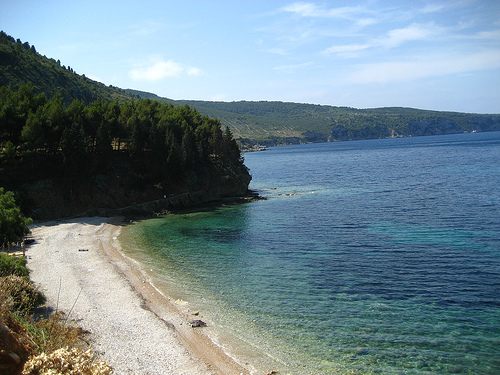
<point>118,192</point>
<point>107,196</point>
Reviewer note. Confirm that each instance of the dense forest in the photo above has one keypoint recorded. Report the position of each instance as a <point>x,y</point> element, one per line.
<point>134,144</point>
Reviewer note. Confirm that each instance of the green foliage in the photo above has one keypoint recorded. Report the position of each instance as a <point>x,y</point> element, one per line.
<point>20,64</point>
<point>138,143</point>
<point>8,152</point>
<point>20,294</point>
<point>13,225</point>
<point>294,122</point>
<point>10,265</point>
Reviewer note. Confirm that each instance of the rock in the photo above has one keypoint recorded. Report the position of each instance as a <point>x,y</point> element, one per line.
<point>198,323</point>
<point>13,353</point>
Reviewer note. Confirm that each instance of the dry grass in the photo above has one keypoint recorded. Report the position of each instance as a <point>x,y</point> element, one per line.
<point>19,294</point>
<point>66,361</point>
<point>49,345</point>
<point>53,333</point>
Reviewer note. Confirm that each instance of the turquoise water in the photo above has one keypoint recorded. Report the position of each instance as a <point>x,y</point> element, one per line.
<point>368,257</point>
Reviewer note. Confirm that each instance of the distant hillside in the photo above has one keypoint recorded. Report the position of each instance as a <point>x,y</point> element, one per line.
<point>251,122</point>
<point>277,122</point>
<point>20,63</point>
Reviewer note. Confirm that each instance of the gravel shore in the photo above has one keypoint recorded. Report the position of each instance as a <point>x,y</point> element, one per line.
<point>80,268</point>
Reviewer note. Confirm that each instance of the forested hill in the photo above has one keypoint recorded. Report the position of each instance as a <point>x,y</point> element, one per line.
<point>278,122</point>
<point>68,147</point>
<point>20,63</point>
<point>263,121</point>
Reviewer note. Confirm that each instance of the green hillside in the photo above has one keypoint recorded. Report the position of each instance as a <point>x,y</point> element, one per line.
<point>277,122</point>
<point>70,146</point>
<point>251,122</point>
<point>20,63</point>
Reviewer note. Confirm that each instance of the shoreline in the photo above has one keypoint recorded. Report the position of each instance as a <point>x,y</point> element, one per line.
<point>127,316</point>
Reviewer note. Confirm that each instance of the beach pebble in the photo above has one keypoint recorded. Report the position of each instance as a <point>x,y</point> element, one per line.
<point>133,339</point>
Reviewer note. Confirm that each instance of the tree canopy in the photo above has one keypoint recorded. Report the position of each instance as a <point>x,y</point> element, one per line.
<point>13,225</point>
<point>139,141</point>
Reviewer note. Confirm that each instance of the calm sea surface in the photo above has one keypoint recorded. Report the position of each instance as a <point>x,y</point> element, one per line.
<point>368,257</point>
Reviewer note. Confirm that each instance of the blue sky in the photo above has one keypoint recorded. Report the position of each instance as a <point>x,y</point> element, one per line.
<point>442,55</point>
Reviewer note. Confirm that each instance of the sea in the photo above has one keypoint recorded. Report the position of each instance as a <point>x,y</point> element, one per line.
<point>366,257</point>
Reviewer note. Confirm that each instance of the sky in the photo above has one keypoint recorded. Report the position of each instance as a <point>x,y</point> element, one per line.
<point>429,54</point>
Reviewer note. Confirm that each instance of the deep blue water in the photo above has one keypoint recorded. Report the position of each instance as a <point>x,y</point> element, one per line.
<point>378,256</point>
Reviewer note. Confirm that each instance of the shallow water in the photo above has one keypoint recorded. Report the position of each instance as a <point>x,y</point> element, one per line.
<point>377,256</point>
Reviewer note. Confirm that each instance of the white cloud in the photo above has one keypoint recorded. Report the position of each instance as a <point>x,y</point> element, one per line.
<point>364,22</point>
<point>162,69</point>
<point>193,72</point>
<point>304,9</point>
<point>397,71</point>
<point>490,34</point>
<point>392,39</point>
<point>412,32</point>
<point>432,8</point>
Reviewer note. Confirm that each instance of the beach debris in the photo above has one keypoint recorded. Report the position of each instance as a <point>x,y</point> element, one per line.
<point>273,372</point>
<point>195,313</point>
<point>198,323</point>
<point>83,249</point>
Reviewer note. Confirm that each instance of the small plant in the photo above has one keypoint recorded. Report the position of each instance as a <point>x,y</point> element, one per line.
<point>53,333</point>
<point>31,339</point>
<point>19,294</point>
<point>11,265</point>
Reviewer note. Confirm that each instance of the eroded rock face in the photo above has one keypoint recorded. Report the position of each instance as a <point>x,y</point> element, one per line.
<point>107,196</point>
<point>13,354</point>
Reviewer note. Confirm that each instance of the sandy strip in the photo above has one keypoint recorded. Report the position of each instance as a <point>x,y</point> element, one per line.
<point>135,328</point>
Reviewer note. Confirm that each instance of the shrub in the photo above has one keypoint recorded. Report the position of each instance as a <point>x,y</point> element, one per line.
<point>19,294</point>
<point>53,333</point>
<point>10,265</point>
<point>13,225</point>
<point>66,361</point>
